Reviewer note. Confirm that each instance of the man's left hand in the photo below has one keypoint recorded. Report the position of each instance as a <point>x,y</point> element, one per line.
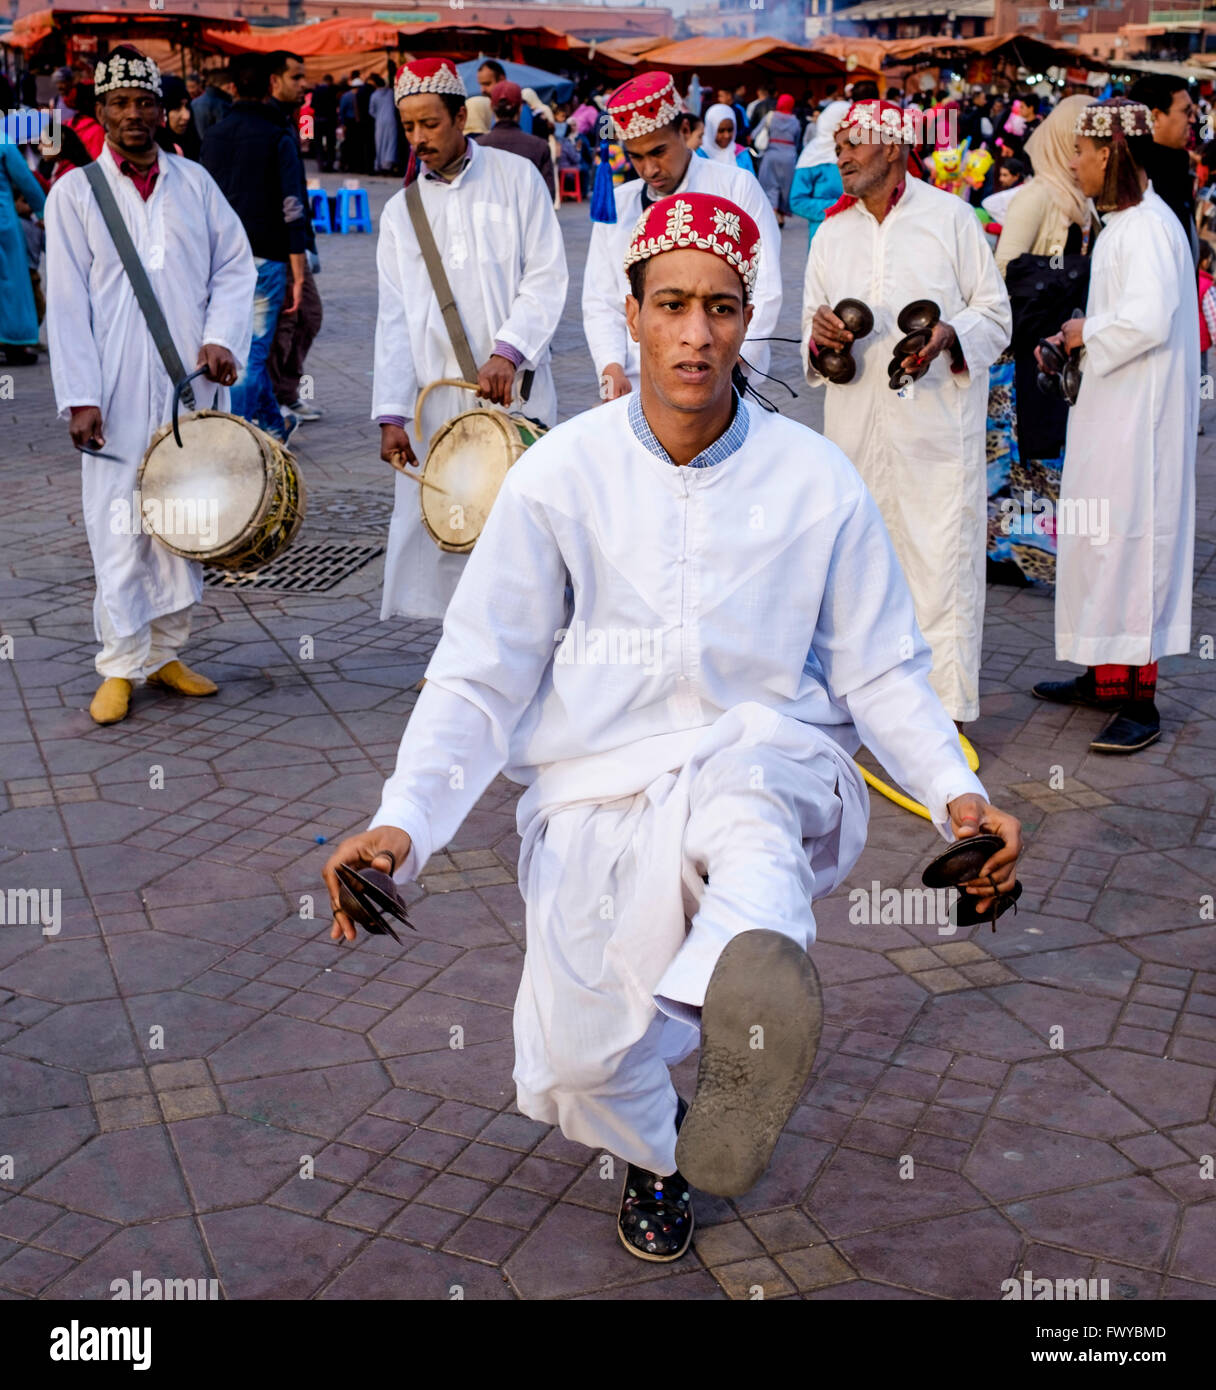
<point>1072,334</point>
<point>971,815</point>
<point>940,341</point>
<point>220,363</point>
<point>496,380</point>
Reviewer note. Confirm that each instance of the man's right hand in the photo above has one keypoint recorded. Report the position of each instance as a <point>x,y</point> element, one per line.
<point>85,427</point>
<point>828,331</point>
<point>614,382</point>
<point>1057,341</point>
<point>361,851</point>
<point>395,447</point>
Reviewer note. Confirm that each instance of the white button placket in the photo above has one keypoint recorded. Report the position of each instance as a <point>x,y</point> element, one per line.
<point>686,702</point>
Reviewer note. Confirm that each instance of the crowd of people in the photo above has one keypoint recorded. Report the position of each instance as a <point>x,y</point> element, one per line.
<point>805,591</point>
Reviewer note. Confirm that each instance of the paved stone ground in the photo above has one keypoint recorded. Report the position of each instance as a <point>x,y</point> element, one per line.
<point>181,927</point>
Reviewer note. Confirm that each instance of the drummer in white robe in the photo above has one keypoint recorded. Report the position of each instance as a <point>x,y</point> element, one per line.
<point>675,645</point>
<point>891,240</point>
<point>497,234</point>
<point>650,122</point>
<point>1125,525</point>
<point>109,379</point>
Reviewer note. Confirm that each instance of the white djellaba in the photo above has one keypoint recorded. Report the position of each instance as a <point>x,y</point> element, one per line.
<point>197,256</point>
<point>502,249</point>
<point>1131,446</point>
<point>785,635</point>
<point>922,454</point>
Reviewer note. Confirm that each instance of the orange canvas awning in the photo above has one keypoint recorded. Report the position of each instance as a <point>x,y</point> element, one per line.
<point>329,37</point>
<point>1021,46</point>
<point>30,30</point>
<point>869,53</point>
<point>767,55</point>
<point>33,29</point>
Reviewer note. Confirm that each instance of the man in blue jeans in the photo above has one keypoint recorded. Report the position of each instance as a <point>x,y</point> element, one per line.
<point>253,158</point>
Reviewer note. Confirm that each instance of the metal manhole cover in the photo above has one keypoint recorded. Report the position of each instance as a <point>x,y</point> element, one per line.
<point>352,511</point>
<point>308,567</point>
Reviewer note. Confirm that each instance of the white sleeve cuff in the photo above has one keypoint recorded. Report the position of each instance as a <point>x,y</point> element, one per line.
<point>408,817</point>
<point>954,782</point>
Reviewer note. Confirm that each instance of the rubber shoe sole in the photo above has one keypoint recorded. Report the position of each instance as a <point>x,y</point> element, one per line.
<point>1133,745</point>
<point>760,1027</point>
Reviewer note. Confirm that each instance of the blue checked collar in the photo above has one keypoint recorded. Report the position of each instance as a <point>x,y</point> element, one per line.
<point>726,444</point>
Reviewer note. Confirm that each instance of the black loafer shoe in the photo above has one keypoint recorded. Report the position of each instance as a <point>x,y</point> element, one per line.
<point>656,1220</point>
<point>1078,691</point>
<point>1134,727</point>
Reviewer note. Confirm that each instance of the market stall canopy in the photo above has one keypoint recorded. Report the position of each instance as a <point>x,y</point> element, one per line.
<point>767,56</point>
<point>866,53</point>
<point>546,85</point>
<point>124,19</point>
<point>354,41</point>
<point>1197,70</point>
<point>1034,54</point>
<point>330,37</point>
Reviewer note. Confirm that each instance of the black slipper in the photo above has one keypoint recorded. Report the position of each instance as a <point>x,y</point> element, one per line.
<point>656,1220</point>
<point>1077,691</point>
<point>962,862</point>
<point>760,1026</point>
<point>1135,726</point>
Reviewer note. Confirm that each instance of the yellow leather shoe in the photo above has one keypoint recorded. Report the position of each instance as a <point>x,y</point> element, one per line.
<point>112,701</point>
<point>174,676</point>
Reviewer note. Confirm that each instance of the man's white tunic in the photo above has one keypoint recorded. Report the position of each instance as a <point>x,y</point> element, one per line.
<point>197,257</point>
<point>923,454</point>
<point>502,249</point>
<point>677,663</point>
<point>1126,522</point>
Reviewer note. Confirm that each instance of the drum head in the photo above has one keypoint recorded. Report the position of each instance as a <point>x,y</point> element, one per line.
<point>201,498</point>
<point>465,468</point>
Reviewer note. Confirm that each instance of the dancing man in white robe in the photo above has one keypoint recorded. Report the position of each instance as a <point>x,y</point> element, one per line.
<point>110,382</point>
<point>1125,524</point>
<point>674,645</point>
<point>649,122</point>
<point>494,226</point>
<point>921,451</point>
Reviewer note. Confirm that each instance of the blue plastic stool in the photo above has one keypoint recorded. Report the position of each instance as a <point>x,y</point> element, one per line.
<point>354,211</point>
<point>318,207</point>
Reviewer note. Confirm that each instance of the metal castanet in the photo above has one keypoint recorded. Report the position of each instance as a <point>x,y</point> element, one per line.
<point>218,489</point>
<point>837,364</point>
<point>917,322</point>
<point>466,462</point>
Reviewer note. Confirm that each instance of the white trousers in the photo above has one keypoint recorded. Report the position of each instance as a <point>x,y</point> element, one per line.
<point>145,651</point>
<point>615,972</point>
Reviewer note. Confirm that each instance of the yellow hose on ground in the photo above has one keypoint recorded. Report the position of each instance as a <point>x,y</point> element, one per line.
<point>898,797</point>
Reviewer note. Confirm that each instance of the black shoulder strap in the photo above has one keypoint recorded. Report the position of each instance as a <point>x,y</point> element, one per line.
<point>145,295</point>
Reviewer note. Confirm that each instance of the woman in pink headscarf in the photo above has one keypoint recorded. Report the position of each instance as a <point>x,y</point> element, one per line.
<point>780,155</point>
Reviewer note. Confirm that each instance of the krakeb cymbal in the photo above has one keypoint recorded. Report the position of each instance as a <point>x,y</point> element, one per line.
<point>920,314</point>
<point>961,861</point>
<point>856,316</point>
<point>370,898</point>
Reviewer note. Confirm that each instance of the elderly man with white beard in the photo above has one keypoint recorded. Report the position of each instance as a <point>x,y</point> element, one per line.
<point>889,241</point>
